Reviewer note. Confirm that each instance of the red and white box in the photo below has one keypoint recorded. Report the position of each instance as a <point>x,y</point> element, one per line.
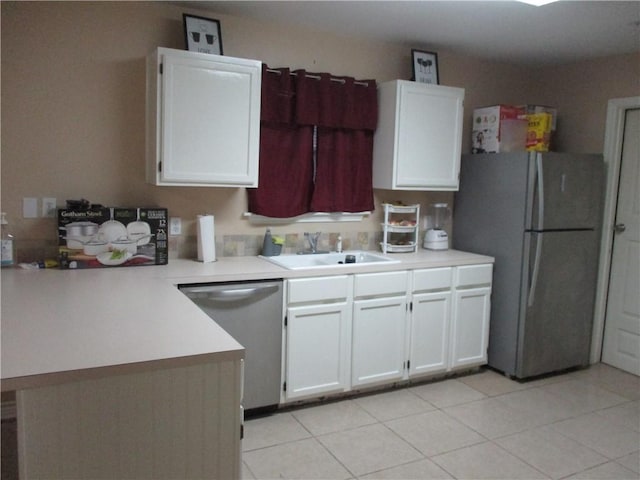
<point>498,129</point>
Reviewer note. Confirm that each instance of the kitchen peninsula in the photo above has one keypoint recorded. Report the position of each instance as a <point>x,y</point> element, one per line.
<point>118,374</point>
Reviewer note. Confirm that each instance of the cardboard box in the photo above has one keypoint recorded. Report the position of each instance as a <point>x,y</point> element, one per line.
<point>538,131</point>
<point>490,126</point>
<point>532,109</point>
<point>112,237</point>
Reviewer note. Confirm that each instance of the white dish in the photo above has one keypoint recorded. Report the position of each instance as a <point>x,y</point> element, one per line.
<point>105,258</point>
<point>112,230</point>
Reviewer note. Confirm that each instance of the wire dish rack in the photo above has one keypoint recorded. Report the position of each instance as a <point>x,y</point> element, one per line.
<point>400,228</point>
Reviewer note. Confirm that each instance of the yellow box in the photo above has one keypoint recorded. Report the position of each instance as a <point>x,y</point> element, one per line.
<point>531,109</point>
<point>539,131</point>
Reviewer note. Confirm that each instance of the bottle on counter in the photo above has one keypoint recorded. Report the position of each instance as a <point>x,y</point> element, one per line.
<point>8,246</point>
<point>267,244</point>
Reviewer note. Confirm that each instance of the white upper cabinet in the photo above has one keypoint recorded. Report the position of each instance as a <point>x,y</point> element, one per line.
<point>203,119</point>
<point>418,140</point>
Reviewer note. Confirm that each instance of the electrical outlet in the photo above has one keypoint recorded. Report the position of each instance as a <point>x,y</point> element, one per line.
<point>175,226</point>
<point>29,207</point>
<point>48,207</point>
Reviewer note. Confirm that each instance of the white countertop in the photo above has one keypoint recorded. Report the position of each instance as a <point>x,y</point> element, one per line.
<point>64,325</point>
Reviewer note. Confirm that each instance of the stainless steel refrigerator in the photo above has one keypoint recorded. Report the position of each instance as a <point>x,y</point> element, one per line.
<point>539,215</point>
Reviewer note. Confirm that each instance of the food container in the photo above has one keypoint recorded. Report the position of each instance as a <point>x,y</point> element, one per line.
<point>531,109</point>
<point>538,131</point>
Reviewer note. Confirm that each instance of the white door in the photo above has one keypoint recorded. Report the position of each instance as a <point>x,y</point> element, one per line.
<point>210,121</point>
<point>317,350</point>
<point>429,137</point>
<point>621,346</point>
<point>378,353</point>
<point>430,332</point>
<point>470,327</point>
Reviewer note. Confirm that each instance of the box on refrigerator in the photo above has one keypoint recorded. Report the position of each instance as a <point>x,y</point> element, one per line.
<point>538,131</point>
<point>498,129</point>
<point>533,109</point>
<point>112,237</point>
<point>542,125</point>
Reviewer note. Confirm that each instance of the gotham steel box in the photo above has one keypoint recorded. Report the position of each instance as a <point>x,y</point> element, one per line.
<point>498,129</point>
<point>112,237</point>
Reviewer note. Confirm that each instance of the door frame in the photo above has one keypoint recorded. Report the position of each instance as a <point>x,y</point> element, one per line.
<point>614,129</point>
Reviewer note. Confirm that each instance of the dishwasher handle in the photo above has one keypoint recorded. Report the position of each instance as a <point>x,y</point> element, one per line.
<point>230,294</point>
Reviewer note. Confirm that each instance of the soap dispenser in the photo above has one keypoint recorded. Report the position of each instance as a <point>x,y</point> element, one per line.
<point>267,244</point>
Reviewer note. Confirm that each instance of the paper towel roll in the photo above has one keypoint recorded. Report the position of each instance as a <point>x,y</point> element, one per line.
<point>206,239</point>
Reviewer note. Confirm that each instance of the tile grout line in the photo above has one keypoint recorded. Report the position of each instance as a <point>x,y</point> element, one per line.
<point>492,441</point>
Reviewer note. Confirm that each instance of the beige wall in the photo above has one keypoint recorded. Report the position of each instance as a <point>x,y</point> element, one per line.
<point>73,86</point>
<point>581,92</point>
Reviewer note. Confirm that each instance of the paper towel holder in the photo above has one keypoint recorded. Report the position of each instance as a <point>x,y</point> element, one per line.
<point>206,238</point>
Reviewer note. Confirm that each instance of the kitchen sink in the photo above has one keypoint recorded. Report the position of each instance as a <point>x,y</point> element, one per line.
<point>328,260</point>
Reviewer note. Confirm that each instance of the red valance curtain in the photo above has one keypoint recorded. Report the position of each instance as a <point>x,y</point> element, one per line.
<point>331,174</point>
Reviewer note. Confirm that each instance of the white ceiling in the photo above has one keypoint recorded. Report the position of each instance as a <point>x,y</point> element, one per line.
<point>509,31</point>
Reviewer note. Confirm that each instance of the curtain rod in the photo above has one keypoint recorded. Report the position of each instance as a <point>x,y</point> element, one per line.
<point>316,77</point>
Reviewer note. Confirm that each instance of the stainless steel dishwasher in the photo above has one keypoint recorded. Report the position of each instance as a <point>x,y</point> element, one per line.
<point>251,312</point>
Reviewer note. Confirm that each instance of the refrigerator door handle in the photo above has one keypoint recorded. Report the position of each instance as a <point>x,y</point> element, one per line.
<point>540,225</point>
<point>536,271</point>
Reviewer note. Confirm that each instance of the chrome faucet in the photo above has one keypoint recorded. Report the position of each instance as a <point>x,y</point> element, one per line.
<point>312,238</point>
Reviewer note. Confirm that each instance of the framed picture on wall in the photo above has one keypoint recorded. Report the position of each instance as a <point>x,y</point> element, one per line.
<point>425,67</point>
<point>202,34</point>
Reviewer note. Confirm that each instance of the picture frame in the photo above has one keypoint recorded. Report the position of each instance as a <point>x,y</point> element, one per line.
<point>202,34</point>
<point>425,67</point>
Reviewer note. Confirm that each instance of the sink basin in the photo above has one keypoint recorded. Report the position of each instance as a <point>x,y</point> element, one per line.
<point>328,260</point>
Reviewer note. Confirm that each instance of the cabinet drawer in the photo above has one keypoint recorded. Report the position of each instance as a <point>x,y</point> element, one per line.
<point>384,283</point>
<point>432,279</point>
<point>470,275</point>
<point>318,289</point>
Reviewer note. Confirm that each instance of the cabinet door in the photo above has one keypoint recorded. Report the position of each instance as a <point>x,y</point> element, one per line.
<point>429,136</point>
<point>378,343</point>
<point>470,327</point>
<point>429,350</point>
<point>418,141</point>
<point>208,120</point>
<point>318,339</point>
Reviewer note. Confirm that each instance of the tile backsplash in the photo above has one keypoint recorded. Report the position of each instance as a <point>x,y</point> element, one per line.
<point>251,245</point>
<point>185,246</point>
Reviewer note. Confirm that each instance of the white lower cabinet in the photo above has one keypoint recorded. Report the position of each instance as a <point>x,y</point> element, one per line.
<point>430,320</point>
<point>378,340</point>
<point>350,331</point>
<point>318,336</point>
<point>429,351</point>
<point>379,328</point>
<point>471,312</point>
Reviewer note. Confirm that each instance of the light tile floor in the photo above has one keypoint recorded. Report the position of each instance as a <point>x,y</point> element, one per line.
<point>579,425</point>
